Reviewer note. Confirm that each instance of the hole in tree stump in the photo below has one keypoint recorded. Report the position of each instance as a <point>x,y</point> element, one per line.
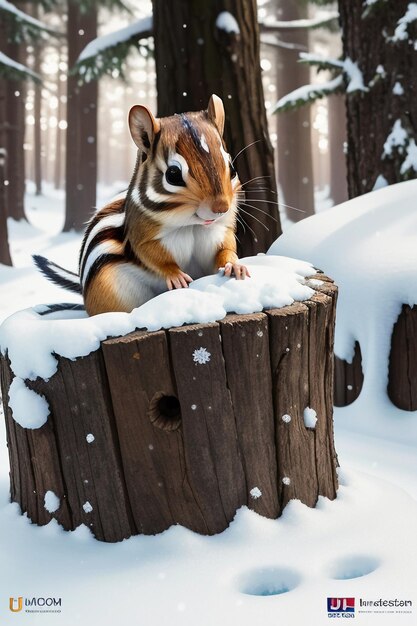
<point>165,411</point>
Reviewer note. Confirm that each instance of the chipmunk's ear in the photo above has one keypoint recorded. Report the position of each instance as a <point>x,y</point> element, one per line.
<point>143,127</point>
<point>215,112</point>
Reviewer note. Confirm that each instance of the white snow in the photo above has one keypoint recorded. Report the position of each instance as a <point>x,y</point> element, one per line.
<point>5,60</point>
<point>410,16</point>
<point>275,282</point>
<point>201,356</point>
<point>226,21</point>
<point>140,28</point>
<point>286,418</point>
<point>87,507</point>
<point>410,162</point>
<point>354,75</point>
<point>90,438</point>
<point>29,409</point>
<point>368,246</point>
<point>255,493</point>
<point>225,579</point>
<point>286,480</point>
<point>51,502</point>
<point>380,182</point>
<point>396,139</point>
<point>20,15</point>
<point>398,89</point>
<point>321,18</point>
<point>309,92</point>
<point>310,417</point>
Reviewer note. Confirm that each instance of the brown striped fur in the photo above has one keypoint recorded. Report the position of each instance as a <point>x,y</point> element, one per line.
<point>169,229</point>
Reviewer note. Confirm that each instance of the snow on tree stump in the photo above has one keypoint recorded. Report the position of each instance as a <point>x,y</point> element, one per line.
<point>184,426</point>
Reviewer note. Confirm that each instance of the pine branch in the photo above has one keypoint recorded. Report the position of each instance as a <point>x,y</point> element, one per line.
<point>12,70</point>
<point>19,20</point>
<point>108,53</point>
<point>309,93</point>
<point>274,26</point>
<point>321,63</point>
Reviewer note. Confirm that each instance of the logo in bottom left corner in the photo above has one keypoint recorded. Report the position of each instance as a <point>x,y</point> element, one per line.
<point>341,607</point>
<point>35,604</point>
<point>16,604</point>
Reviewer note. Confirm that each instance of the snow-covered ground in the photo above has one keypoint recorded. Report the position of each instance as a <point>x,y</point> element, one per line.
<point>362,545</point>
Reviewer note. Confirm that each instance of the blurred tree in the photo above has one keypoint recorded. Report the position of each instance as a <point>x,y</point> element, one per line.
<point>5,258</point>
<point>379,43</point>
<point>295,163</point>
<point>213,47</point>
<point>81,145</point>
<point>16,27</point>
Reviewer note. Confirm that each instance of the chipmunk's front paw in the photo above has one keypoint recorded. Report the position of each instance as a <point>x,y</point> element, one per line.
<point>178,281</point>
<point>238,270</point>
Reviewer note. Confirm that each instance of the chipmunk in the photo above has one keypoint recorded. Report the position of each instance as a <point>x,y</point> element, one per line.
<point>176,223</point>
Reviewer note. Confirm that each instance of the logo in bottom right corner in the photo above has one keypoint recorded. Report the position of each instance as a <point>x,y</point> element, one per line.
<point>341,607</point>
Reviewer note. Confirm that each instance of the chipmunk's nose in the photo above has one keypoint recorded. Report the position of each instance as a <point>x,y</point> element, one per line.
<point>220,205</point>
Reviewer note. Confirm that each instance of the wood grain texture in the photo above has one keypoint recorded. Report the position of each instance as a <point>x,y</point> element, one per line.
<point>80,404</point>
<point>402,377</point>
<point>213,458</point>
<point>245,343</point>
<point>348,378</point>
<point>153,455</point>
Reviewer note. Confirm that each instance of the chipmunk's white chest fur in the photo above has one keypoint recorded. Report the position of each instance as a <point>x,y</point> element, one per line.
<point>194,247</point>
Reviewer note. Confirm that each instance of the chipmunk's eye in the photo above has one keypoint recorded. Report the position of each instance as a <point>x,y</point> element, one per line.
<point>232,171</point>
<point>173,176</point>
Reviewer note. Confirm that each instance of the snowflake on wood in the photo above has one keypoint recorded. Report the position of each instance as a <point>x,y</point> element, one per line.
<point>201,356</point>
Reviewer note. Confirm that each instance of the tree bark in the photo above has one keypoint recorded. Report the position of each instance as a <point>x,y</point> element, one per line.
<point>14,135</point>
<point>295,161</point>
<point>372,114</point>
<point>337,140</point>
<point>5,258</point>
<point>81,144</point>
<point>194,59</point>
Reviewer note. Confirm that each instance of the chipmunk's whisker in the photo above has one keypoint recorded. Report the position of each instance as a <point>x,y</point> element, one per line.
<point>252,179</point>
<point>260,211</point>
<point>254,218</point>
<point>245,148</point>
<point>243,222</point>
<point>279,203</point>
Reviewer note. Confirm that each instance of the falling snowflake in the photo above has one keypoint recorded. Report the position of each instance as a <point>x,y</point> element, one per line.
<point>201,356</point>
<point>286,418</point>
<point>90,438</point>
<point>255,493</point>
<point>286,480</point>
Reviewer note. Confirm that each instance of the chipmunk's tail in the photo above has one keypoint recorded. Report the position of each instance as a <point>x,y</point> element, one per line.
<point>57,274</point>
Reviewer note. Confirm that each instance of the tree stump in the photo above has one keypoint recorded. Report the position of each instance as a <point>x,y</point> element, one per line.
<point>402,378</point>
<point>348,378</point>
<point>184,426</point>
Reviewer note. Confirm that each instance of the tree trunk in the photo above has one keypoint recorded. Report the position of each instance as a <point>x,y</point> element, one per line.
<point>14,127</point>
<point>391,95</point>
<point>59,132</point>
<point>194,59</point>
<point>5,258</point>
<point>295,161</point>
<point>81,146</point>
<point>337,140</point>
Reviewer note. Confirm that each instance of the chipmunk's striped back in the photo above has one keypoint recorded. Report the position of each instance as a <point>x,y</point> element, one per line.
<point>103,241</point>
